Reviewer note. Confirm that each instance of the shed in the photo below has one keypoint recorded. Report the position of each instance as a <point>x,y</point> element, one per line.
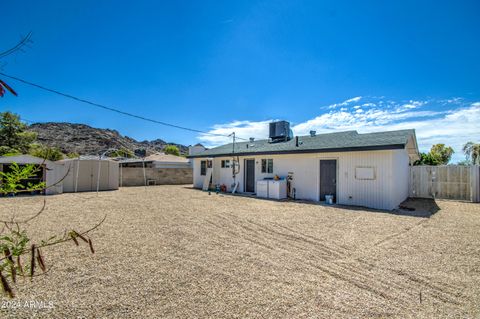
<point>88,174</point>
<point>50,172</point>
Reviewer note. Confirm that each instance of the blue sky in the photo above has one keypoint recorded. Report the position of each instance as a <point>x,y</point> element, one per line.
<point>227,66</point>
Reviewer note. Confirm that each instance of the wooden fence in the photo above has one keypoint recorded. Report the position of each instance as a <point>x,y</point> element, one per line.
<point>449,182</point>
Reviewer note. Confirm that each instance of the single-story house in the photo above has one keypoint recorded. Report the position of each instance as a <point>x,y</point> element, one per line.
<point>370,170</point>
<point>156,169</point>
<point>49,172</point>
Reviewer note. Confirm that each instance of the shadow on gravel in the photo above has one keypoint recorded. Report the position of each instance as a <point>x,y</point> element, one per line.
<point>414,207</point>
<point>417,207</point>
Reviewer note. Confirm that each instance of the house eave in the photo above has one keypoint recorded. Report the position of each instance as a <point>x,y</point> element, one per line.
<point>306,151</point>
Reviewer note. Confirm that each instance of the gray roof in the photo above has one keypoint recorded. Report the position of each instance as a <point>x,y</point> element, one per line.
<point>330,142</point>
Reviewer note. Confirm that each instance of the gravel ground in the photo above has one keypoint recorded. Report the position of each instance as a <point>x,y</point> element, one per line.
<point>176,252</point>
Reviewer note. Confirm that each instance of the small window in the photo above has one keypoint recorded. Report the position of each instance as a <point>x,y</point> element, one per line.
<point>267,166</point>
<point>365,173</point>
<point>226,164</point>
<point>203,168</point>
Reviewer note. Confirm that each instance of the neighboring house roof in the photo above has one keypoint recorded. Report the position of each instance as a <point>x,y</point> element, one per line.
<point>329,142</point>
<point>23,159</point>
<point>159,157</point>
<point>87,158</point>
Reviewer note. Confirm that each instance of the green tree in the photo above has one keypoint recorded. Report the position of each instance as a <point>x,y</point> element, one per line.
<point>439,155</point>
<point>73,155</point>
<point>14,134</point>
<point>45,152</point>
<point>426,159</point>
<point>8,151</point>
<point>171,149</point>
<point>123,152</point>
<point>472,152</point>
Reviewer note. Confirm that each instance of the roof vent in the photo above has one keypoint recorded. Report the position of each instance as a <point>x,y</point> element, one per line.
<point>313,133</point>
<point>252,139</point>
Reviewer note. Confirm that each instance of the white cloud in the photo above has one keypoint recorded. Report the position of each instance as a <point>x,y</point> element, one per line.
<point>346,102</point>
<point>453,127</point>
<point>413,104</point>
<point>355,99</point>
<point>244,129</point>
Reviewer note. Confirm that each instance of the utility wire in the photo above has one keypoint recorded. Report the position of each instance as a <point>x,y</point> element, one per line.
<point>111,108</point>
<point>18,46</point>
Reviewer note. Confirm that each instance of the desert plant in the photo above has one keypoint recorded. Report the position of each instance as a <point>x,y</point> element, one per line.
<point>49,153</point>
<point>8,151</point>
<point>123,152</point>
<point>15,242</point>
<point>73,155</point>
<point>5,87</point>
<point>171,149</point>
<point>11,181</point>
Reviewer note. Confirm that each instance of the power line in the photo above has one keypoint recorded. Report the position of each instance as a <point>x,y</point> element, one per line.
<point>18,46</point>
<point>111,108</point>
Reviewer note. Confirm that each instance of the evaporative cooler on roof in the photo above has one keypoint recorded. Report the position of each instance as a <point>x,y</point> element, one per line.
<point>280,131</point>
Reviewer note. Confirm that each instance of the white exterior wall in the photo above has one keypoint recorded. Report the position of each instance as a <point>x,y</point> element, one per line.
<point>197,179</point>
<point>401,176</point>
<point>386,191</point>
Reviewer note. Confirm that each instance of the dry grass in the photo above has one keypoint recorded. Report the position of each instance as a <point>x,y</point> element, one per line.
<point>175,252</point>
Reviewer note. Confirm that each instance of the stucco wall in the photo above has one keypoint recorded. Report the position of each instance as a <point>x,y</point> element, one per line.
<point>133,176</point>
<point>382,192</point>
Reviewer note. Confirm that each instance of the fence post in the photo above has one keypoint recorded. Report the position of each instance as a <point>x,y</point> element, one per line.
<point>475,183</point>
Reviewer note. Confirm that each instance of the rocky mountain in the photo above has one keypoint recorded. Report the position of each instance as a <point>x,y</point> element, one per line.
<point>87,140</point>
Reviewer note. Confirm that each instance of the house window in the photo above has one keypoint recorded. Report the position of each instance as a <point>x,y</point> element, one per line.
<point>203,168</point>
<point>267,166</point>
<point>226,164</point>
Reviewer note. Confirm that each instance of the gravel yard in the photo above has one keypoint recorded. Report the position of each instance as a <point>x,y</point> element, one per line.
<point>176,252</point>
